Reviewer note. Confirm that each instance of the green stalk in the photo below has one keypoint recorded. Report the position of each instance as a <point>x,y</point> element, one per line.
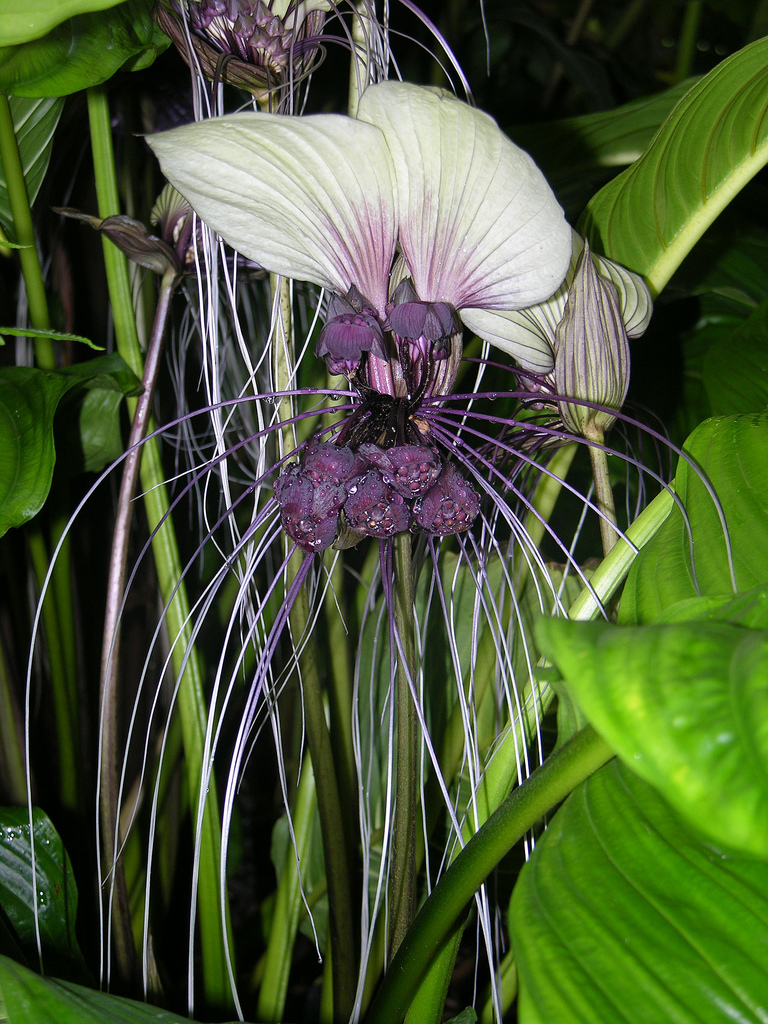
<point>603,491</point>
<point>109,769</point>
<point>403,871</point>
<point>58,613</point>
<point>214,934</point>
<point>288,906</point>
<point>11,743</point>
<point>575,761</point>
<point>31,270</point>
<point>63,707</point>
<point>340,701</point>
<point>342,921</point>
<point>688,37</point>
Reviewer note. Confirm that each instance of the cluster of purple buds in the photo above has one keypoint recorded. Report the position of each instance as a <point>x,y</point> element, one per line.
<point>249,44</point>
<point>373,492</point>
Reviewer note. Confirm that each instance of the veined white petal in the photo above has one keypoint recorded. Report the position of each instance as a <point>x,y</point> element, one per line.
<point>529,334</point>
<point>635,299</point>
<point>518,334</point>
<point>312,197</point>
<point>479,224</point>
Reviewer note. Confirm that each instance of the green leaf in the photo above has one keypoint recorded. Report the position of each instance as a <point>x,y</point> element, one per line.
<point>29,332</point>
<point>30,999</point>
<point>29,399</point>
<point>35,122</point>
<point>686,707</point>
<point>467,1016</point>
<point>733,452</point>
<point>714,141</point>
<point>624,915</point>
<point>99,428</point>
<point>83,51</point>
<point>610,138</point>
<point>55,894</point>
<point>24,21</point>
<point>735,367</point>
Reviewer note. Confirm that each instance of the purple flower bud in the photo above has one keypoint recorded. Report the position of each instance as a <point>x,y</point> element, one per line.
<point>591,352</point>
<point>311,494</point>
<point>450,506</point>
<point>326,461</point>
<point>374,508</point>
<point>410,468</point>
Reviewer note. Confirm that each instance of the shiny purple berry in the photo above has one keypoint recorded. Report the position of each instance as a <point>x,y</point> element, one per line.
<point>374,509</point>
<point>410,468</point>
<point>450,506</point>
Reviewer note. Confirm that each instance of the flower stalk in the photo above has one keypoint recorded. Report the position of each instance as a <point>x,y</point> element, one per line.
<point>214,934</point>
<point>403,872</point>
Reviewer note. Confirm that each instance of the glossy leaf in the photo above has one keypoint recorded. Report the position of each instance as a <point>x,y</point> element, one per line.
<point>610,138</point>
<point>686,707</point>
<point>735,385</point>
<point>732,451</point>
<point>55,894</point>
<point>83,51</point>
<point>626,915</point>
<point>30,999</point>
<point>714,141</point>
<point>28,402</point>
<point>24,21</point>
<point>35,122</point>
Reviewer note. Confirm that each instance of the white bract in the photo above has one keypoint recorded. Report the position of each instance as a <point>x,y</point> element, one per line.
<point>330,200</point>
<point>538,324</point>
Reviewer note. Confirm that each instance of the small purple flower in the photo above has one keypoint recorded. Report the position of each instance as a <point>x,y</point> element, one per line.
<point>451,506</point>
<point>375,509</point>
<point>310,494</point>
<point>351,329</point>
<point>410,468</point>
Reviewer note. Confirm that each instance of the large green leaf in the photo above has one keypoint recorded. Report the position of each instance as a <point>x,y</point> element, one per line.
<point>735,367</point>
<point>35,122</point>
<point>686,707</point>
<point>610,138</point>
<point>625,915</point>
<point>29,399</point>
<point>83,51</point>
<point>55,894</point>
<point>24,21</point>
<point>733,452</point>
<point>30,999</point>
<point>710,146</point>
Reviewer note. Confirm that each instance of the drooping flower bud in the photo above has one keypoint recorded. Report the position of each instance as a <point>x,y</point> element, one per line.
<point>350,330</point>
<point>450,506</point>
<point>410,468</point>
<point>591,352</point>
<point>173,215</point>
<point>132,238</point>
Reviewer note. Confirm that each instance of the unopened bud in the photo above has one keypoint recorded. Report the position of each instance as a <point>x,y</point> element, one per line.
<point>591,353</point>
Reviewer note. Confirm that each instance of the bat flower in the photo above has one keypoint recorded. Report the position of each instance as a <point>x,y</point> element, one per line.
<point>417,216</point>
